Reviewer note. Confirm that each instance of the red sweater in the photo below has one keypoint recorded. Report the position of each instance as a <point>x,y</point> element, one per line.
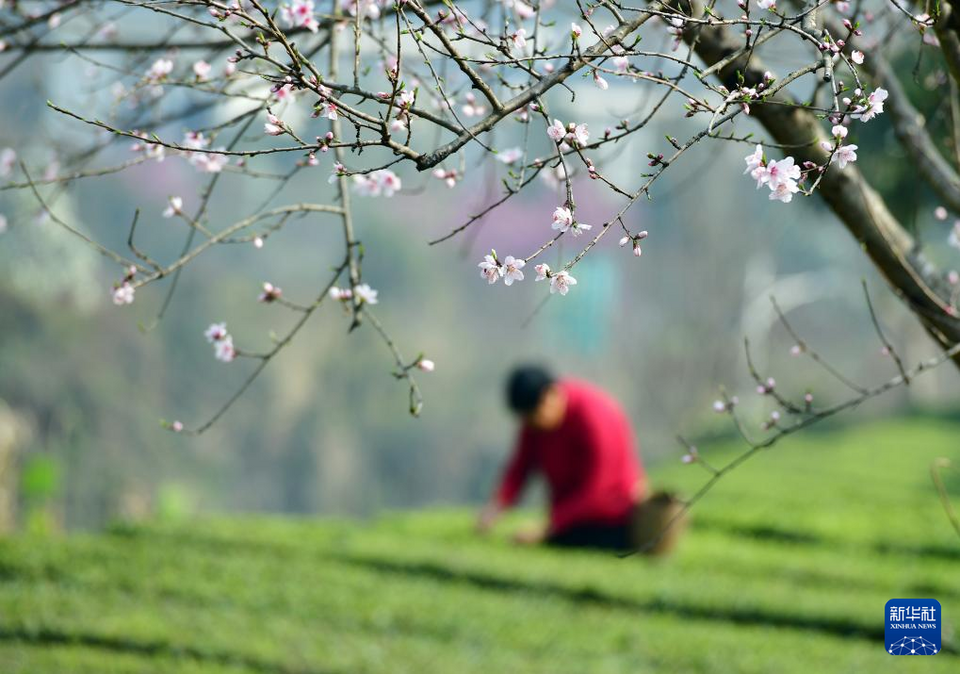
<point>589,462</point>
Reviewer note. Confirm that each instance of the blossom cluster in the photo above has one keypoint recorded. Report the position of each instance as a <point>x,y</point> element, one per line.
<point>782,176</point>
<point>123,291</point>
<point>571,135</point>
<point>510,269</point>
<point>363,292</point>
<point>564,221</point>
<point>403,101</point>
<point>222,341</point>
<point>299,14</point>
<point>381,183</point>
<point>560,281</point>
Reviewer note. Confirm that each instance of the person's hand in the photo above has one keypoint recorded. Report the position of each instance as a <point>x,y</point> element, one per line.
<point>529,536</point>
<point>487,518</point>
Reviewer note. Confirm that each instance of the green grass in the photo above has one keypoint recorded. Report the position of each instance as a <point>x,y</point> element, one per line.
<point>786,569</point>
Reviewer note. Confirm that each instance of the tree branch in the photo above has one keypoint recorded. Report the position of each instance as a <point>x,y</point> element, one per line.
<point>858,206</point>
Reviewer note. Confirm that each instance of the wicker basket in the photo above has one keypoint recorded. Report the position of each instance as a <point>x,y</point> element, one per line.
<point>658,523</point>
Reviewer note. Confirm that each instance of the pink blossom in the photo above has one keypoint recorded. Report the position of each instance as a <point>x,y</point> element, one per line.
<point>159,70</point>
<point>299,14</point>
<point>223,350</point>
<point>784,192</point>
<point>284,92</point>
<point>767,4</point>
<point>839,131</point>
<point>449,177</point>
<point>519,39</point>
<point>8,159</point>
<point>340,294</point>
<point>675,27</point>
<point>857,57</point>
<point>150,150</point>
<point>338,171</point>
<point>523,10</point>
<point>557,131</point>
<point>572,133</point>
<point>510,156</point>
<point>636,242</point>
<point>209,162</point>
<point>270,293</point>
<point>173,208</point>
<point>222,342</point>
<point>562,218</point>
<point>273,126</point>
<point>511,270</point>
<point>176,426</point>
<point>561,282</point>
<point>202,70</point>
<point>580,134</point>
<point>780,177</point>
<point>123,294</point>
<point>216,332</point>
<point>426,365</point>
<point>579,228</point>
<point>755,165</point>
<point>940,213</point>
<point>365,293</point>
<point>845,154</point>
<point>407,97</point>
<point>490,269</point>
<point>329,110</point>
<point>575,31</point>
<point>599,81</point>
<point>543,271</point>
<point>873,107</point>
<point>382,182</point>
<point>369,9</point>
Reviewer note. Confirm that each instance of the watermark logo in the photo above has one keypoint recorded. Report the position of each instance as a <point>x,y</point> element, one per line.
<point>912,626</point>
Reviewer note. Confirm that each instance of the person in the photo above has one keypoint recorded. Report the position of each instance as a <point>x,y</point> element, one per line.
<point>579,439</point>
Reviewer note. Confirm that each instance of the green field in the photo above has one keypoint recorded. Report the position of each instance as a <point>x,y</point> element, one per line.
<point>786,569</point>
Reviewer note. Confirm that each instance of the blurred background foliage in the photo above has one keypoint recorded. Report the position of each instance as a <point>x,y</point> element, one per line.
<point>325,429</point>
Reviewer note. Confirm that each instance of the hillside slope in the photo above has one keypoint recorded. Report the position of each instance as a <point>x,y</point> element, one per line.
<point>787,569</point>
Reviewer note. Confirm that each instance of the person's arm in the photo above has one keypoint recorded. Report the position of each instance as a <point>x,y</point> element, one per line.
<point>511,486</point>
